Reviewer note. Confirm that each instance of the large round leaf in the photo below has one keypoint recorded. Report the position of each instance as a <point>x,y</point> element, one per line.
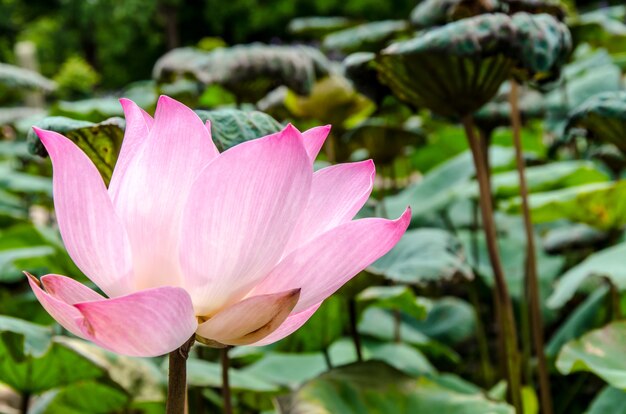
<point>547,177</point>
<point>399,355</point>
<point>16,77</point>
<point>455,69</point>
<point>497,112</point>
<point>94,109</point>
<point>101,142</point>
<point>368,37</point>
<point>429,13</point>
<point>383,325</point>
<point>586,316</point>
<point>512,246</point>
<point>450,320</point>
<point>602,205</point>
<point>374,387</point>
<point>600,352</point>
<point>384,140</point>
<point>360,69</point>
<point>289,370</point>
<point>248,71</point>
<point>202,373</point>
<point>609,400</point>
<point>572,236</point>
<point>603,117</point>
<point>230,127</point>
<point>30,361</point>
<point>322,329</point>
<point>424,256</point>
<point>82,397</point>
<point>399,298</point>
<point>441,185</point>
<point>333,101</point>
<point>607,263</point>
<point>318,26</point>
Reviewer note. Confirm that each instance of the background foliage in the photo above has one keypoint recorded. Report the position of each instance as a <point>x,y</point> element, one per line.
<point>416,331</point>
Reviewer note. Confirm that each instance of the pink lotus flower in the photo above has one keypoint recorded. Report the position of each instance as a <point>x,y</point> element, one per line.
<point>240,247</point>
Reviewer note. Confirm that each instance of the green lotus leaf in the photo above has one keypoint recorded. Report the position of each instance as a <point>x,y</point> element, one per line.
<point>455,69</point>
<point>333,101</point>
<point>21,182</point>
<point>600,352</point>
<point>101,142</point>
<point>552,7</point>
<point>367,37</point>
<point>424,256</point>
<point>612,157</point>
<point>82,397</point>
<point>572,236</point>
<point>324,327</point>
<point>601,27</point>
<point>543,178</point>
<point>450,320</point>
<point>431,13</point>
<point>374,387</point>
<point>384,140</point>
<point>230,127</point>
<point>11,115</point>
<point>248,71</point>
<point>542,45</point>
<point>318,26</point>
<point>497,112</point>
<point>360,69</point>
<point>399,355</point>
<point>588,315</point>
<point>383,324</point>
<point>394,297</point>
<point>16,77</point>
<point>608,400</point>
<point>32,361</point>
<point>441,186</point>
<point>94,110</point>
<point>512,244</point>
<point>602,205</point>
<point>202,373</point>
<point>606,263</point>
<point>603,117</point>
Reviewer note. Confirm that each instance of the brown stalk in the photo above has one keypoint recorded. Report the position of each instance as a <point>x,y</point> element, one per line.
<point>532,283</point>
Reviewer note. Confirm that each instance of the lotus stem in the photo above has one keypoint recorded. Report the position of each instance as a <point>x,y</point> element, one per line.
<point>25,402</point>
<point>615,301</point>
<point>177,378</point>
<point>329,363</point>
<point>481,335</point>
<point>532,284</point>
<point>354,331</point>
<point>226,395</point>
<point>397,326</point>
<point>505,316</point>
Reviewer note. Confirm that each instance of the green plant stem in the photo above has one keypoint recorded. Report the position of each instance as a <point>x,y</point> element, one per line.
<point>532,281</point>
<point>506,317</point>
<point>226,395</point>
<point>177,378</point>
